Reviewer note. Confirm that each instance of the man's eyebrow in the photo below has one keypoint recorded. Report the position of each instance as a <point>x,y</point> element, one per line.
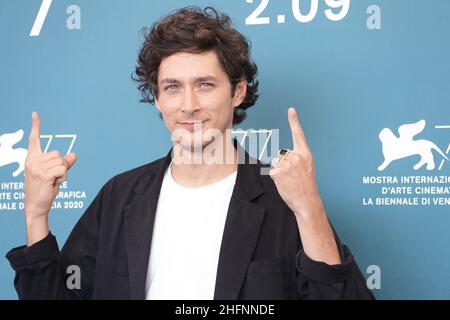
<point>168,80</point>
<point>196,80</point>
<point>205,78</point>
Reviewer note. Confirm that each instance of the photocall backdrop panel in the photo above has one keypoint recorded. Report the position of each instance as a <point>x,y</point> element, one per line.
<point>355,71</point>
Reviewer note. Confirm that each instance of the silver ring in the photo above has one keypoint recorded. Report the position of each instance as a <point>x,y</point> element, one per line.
<point>283,153</point>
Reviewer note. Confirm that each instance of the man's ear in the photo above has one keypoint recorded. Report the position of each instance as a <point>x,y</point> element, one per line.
<point>240,92</point>
<point>157,104</point>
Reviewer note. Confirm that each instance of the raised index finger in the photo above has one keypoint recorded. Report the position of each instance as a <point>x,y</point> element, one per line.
<point>298,137</point>
<point>34,140</point>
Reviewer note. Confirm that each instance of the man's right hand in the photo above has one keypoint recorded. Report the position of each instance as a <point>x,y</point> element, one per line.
<point>44,172</point>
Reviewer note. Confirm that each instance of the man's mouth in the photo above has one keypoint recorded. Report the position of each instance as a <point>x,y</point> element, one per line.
<point>191,125</point>
<point>191,121</point>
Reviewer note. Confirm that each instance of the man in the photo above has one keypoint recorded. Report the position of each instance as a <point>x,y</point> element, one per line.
<point>179,228</point>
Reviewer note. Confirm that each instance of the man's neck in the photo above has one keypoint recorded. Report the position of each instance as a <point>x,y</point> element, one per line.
<point>194,175</point>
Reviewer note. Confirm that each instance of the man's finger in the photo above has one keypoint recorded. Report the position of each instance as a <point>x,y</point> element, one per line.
<point>61,179</point>
<point>275,161</point>
<point>298,137</point>
<point>34,141</point>
<point>70,159</point>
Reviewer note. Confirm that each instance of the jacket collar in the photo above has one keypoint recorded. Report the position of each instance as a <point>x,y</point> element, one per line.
<point>242,226</point>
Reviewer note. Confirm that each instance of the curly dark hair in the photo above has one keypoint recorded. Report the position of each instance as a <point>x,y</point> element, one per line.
<point>194,30</point>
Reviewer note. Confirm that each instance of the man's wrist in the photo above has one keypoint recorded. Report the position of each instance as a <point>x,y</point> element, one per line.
<point>37,229</point>
<point>313,212</point>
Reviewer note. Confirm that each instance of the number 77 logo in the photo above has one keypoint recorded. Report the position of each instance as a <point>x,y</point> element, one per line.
<point>40,18</point>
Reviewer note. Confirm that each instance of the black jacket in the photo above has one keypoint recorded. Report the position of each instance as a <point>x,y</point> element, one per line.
<point>261,254</point>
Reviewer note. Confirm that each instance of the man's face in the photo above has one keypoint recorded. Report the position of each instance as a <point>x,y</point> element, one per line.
<point>194,94</point>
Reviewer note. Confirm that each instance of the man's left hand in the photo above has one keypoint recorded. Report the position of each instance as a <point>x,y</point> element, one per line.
<point>294,175</point>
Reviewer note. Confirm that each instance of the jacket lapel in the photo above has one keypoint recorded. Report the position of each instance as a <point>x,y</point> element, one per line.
<point>139,221</point>
<point>242,227</point>
<point>241,231</point>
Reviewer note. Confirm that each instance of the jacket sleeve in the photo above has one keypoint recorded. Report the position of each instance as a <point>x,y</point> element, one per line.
<point>318,280</point>
<point>45,272</point>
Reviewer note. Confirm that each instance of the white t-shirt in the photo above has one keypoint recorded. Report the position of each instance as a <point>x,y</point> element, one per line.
<point>187,236</point>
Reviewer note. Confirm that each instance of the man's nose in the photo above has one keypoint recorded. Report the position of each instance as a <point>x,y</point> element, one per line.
<point>190,102</point>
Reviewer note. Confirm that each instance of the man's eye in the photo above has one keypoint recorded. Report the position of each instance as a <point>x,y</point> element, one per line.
<point>170,87</point>
<point>205,85</point>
